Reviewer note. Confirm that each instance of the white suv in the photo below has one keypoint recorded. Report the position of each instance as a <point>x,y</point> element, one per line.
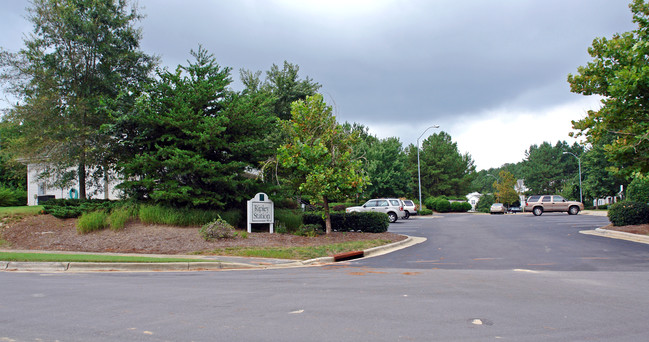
<point>391,206</point>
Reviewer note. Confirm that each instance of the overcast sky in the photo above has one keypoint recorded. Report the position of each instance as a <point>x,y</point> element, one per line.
<point>490,73</point>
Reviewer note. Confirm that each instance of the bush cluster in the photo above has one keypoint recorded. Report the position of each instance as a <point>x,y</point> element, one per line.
<point>12,197</point>
<point>441,204</point>
<point>367,222</point>
<point>290,220</point>
<point>425,211</point>
<point>638,190</point>
<point>628,213</point>
<point>70,208</point>
<point>218,229</point>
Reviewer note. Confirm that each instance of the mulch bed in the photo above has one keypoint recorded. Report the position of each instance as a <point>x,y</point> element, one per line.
<point>45,232</point>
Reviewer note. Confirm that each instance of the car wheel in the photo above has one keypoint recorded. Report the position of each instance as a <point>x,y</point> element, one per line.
<point>537,211</point>
<point>574,210</point>
<point>393,217</point>
<point>407,215</point>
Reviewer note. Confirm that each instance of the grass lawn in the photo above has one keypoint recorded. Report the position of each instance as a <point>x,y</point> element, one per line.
<point>23,210</point>
<point>54,257</point>
<point>297,253</point>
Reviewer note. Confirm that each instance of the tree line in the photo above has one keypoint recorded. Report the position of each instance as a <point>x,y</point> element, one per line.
<point>89,100</point>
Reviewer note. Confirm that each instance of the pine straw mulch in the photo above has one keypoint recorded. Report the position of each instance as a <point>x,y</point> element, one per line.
<point>46,232</point>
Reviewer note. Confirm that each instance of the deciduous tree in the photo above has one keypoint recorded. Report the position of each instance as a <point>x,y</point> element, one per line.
<point>619,72</point>
<point>319,154</point>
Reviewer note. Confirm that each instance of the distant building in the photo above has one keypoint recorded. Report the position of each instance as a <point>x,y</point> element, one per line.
<point>473,198</point>
<point>40,189</point>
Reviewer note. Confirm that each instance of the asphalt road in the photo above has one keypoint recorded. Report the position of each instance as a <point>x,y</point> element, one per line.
<point>476,278</point>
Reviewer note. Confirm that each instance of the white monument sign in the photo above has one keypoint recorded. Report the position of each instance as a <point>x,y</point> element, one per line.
<point>261,210</point>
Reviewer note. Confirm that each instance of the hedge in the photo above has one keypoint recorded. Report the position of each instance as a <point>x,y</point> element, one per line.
<point>367,222</point>
<point>628,213</point>
<point>69,208</point>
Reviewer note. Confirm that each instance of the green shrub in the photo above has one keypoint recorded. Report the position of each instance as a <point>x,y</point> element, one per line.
<point>69,208</point>
<point>218,229</point>
<point>442,206</point>
<point>12,197</point>
<point>368,222</point>
<point>460,207</point>
<point>484,204</point>
<point>638,190</point>
<point>92,221</point>
<point>291,220</point>
<point>310,230</point>
<point>425,212</point>
<point>628,213</point>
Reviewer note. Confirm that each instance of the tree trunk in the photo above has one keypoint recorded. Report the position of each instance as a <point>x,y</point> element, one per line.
<point>327,216</point>
<point>82,176</point>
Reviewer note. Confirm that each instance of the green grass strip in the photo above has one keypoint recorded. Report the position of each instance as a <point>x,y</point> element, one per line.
<point>298,253</point>
<point>47,257</point>
<point>23,210</point>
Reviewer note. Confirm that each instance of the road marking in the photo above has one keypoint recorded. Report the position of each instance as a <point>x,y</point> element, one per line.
<point>526,271</point>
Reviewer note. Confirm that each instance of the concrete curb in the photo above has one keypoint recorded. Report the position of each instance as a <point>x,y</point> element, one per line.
<point>617,235</point>
<point>187,266</point>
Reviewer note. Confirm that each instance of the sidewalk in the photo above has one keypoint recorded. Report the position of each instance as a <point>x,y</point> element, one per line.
<point>218,263</point>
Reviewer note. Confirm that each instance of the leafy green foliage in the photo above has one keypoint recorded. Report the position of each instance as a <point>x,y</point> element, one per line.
<point>638,190</point>
<point>368,222</point>
<point>71,208</point>
<point>319,155</point>
<point>460,207</point>
<point>484,204</point>
<point>12,197</point>
<point>505,188</point>
<point>218,229</point>
<point>191,142</point>
<point>79,70</point>
<point>444,171</point>
<point>628,213</point>
<point>424,211</point>
<point>546,167</point>
<point>386,164</point>
<point>284,86</point>
<point>92,221</point>
<point>619,73</point>
<point>291,220</point>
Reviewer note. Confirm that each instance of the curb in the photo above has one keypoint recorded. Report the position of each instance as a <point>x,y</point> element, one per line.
<point>21,266</point>
<point>617,235</point>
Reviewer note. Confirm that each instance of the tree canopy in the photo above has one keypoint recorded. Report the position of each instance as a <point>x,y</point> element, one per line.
<point>444,170</point>
<point>319,154</point>
<point>191,141</point>
<point>620,73</point>
<point>80,65</point>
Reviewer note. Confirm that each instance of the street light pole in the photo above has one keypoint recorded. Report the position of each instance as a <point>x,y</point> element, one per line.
<point>581,199</point>
<point>418,165</point>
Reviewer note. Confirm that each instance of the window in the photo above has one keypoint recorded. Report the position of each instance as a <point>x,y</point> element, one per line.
<point>546,199</point>
<point>557,199</point>
<point>383,203</point>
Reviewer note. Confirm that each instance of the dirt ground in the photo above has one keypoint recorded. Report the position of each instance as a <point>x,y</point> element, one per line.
<point>45,232</point>
<point>641,229</point>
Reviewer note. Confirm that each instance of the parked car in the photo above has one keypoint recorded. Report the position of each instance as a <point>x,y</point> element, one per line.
<point>497,208</point>
<point>391,206</point>
<point>514,210</point>
<point>409,207</point>
<point>538,204</point>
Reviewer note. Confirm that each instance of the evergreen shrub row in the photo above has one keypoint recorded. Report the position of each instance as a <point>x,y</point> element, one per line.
<point>628,213</point>
<point>12,197</point>
<point>366,222</point>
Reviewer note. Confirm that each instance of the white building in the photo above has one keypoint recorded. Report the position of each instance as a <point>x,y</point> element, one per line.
<point>473,198</point>
<point>39,187</point>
